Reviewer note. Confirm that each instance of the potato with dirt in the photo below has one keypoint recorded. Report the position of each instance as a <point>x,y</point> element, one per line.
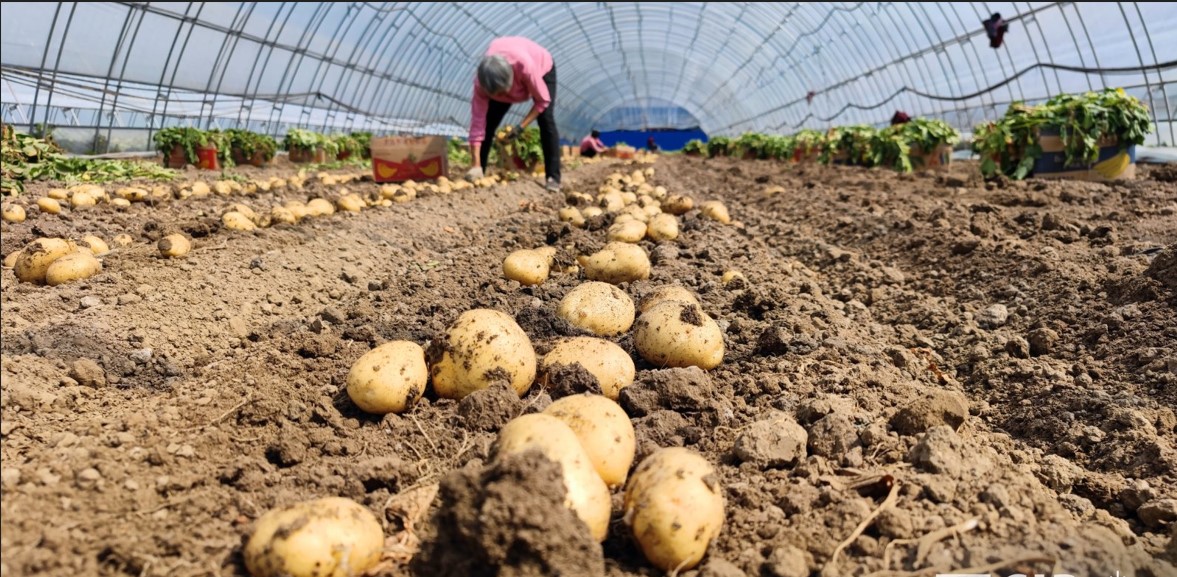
<point>630,231</point>
<point>715,210</point>
<point>480,347</point>
<point>77,265</point>
<point>326,537</point>
<point>598,307</point>
<point>14,213</point>
<point>35,259</point>
<point>586,493</point>
<point>174,245</point>
<point>678,334</point>
<point>663,226</point>
<point>390,378</point>
<point>529,267</point>
<point>618,262</point>
<point>607,362</point>
<point>604,430</point>
<point>674,507</point>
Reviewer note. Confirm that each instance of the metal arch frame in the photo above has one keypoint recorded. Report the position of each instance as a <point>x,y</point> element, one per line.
<point>1164,92</point>
<point>110,71</point>
<point>228,46</point>
<point>44,60</point>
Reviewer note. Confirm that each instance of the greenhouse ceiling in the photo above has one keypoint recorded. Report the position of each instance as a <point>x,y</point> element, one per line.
<point>727,67</point>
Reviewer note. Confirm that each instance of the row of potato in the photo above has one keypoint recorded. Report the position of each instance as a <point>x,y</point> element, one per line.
<point>34,263</point>
<point>672,502</point>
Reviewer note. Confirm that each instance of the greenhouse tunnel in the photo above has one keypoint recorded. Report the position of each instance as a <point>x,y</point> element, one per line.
<point>105,75</point>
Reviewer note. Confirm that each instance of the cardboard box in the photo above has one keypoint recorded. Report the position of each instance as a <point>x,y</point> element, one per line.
<point>401,158</point>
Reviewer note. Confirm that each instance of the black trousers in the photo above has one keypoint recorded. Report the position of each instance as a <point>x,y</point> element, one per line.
<point>549,137</point>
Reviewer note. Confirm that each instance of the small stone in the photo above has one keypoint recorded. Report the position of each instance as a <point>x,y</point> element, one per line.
<point>332,315</point>
<point>1137,493</point>
<point>1158,513</point>
<point>131,485</point>
<point>1058,473</point>
<point>142,356</point>
<point>375,285</point>
<point>894,275</point>
<point>832,436</point>
<point>938,451</point>
<point>993,316</point>
<point>350,275</point>
<point>89,478</point>
<point>239,327</point>
<point>1042,341</point>
<point>786,561</point>
<point>129,299</point>
<point>1051,222</point>
<point>9,477</point>
<point>91,302</point>
<point>775,442</point>
<point>895,524</point>
<point>1018,348</point>
<point>87,373</point>
<point>939,407</point>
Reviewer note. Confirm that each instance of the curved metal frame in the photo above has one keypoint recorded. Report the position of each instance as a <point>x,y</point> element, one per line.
<point>735,67</point>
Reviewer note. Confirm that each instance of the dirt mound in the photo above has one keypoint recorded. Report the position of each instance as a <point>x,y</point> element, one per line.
<point>508,519</point>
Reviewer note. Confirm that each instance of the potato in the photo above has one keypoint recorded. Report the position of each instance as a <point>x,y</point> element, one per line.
<point>586,493</point>
<point>14,213</point>
<point>36,257</point>
<point>630,231</point>
<point>667,293</point>
<point>604,430</point>
<point>49,205</point>
<point>222,188</point>
<point>390,378</point>
<point>161,193</point>
<point>131,194</point>
<point>678,204</point>
<point>611,202</point>
<point>10,260</point>
<point>715,210</point>
<point>598,307</point>
<point>678,334</point>
<point>82,199</point>
<point>174,245</point>
<point>298,209</point>
<point>77,265</point>
<point>120,203</point>
<point>577,199</point>
<point>618,262</point>
<point>234,220</point>
<point>320,207</point>
<point>659,192</point>
<point>591,211</point>
<point>606,361</point>
<point>674,507</point>
<point>734,279</point>
<point>58,194</point>
<point>662,227</point>
<point>480,347</point>
<point>328,537</point>
<point>243,209</point>
<point>124,240</point>
<point>351,203</point>
<point>529,266</point>
<point>572,215</point>
<point>95,244</point>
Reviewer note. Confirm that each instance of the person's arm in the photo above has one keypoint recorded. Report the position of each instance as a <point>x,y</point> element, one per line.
<point>534,80</point>
<point>478,106</point>
<point>599,146</point>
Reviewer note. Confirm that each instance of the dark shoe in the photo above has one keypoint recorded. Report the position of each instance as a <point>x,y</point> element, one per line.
<point>552,185</point>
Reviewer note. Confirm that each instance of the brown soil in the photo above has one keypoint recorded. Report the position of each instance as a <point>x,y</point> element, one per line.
<point>999,358</point>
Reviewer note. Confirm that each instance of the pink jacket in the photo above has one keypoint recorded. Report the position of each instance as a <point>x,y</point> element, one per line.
<point>530,62</point>
<point>590,143</point>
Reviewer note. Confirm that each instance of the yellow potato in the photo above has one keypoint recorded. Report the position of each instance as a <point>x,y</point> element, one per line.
<point>131,194</point>
<point>667,293</point>
<point>604,430</point>
<point>586,493</point>
<point>598,307</point>
<point>77,265</point>
<point>120,203</point>
<point>351,203</point>
<point>14,213</point>
<point>529,266</point>
<point>124,240</point>
<point>327,537</point>
<point>630,231</point>
<point>618,262</point>
<point>591,211</point>
<point>82,199</point>
<point>10,260</point>
<point>95,244</point>
<point>734,279</point>
<point>58,194</point>
<point>49,205</point>
<point>606,361</point>
<point>572,215</point>
<point>715,210</point>
<point>662,226</point>
<point>200,188</point>
<point>390,378</point>
<point>480,347</point>
<point>234,220</point>
<point>678,334</point>
<point>245,210</point>
<point>35,259</point>
<point>659,192</point>
<point>678,204</point>
<point>320,207</point>
<point>222,188</point>
<point>174,245</point>
<point>674,507</point>
<point>282,214</point>
<point>298,209</point>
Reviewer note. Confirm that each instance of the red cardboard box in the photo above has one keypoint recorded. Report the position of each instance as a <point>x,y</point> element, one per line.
<point>401,158</point>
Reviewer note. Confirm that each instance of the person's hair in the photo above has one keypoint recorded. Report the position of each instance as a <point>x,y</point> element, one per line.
<point>596,134</point>
<point>495,74</point>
